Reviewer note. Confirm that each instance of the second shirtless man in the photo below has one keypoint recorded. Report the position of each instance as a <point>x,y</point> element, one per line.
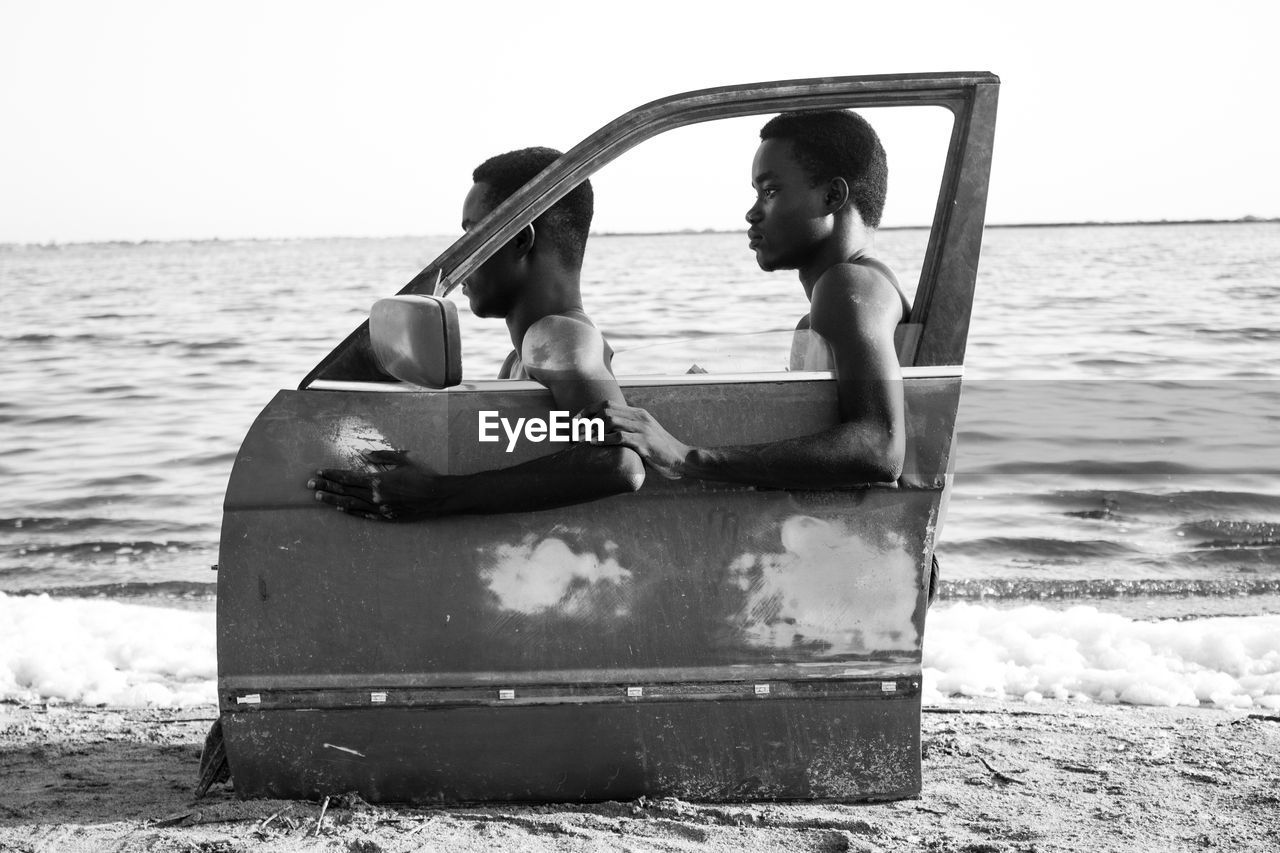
<point>820,181</point>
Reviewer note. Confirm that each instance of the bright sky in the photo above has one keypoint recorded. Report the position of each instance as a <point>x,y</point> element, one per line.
<point>160,120</point>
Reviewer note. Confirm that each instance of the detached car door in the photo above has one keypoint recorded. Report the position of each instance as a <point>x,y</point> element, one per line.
<point>693,639</point>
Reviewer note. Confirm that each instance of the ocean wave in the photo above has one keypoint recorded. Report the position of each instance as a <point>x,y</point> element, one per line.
<point>159,591</point>
<point>93,652</point>
<point>222,458</point>
<point>73,524</point>
<point>1205,502</point>
<point>1037,547</point>
<point>201,346</point>
<point>1238,558</point>
<point>1231,534</point>
<point>1033,652</point>
<point>1244,333</point>
<point>74,419</point>
<point>49,337</point>
<point>1108,512</point>
<point>1098,468</point>
<point>134,479</point>
<point>1093,361</point>
<point>1262,370</point>
<point>97,500</point>
<point>93,549</point>
<point>105,653</point>
<point>1251,292</point>
<point>113,390</point>
<point>1059,589</point>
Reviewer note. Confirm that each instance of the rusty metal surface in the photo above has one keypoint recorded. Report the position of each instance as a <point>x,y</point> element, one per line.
<point>424,639</point>
<point>735,580</point>
<point>679,576</point>
<point>849,749</point>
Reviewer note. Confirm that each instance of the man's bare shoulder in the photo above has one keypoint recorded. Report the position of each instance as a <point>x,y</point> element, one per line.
<point>563,343</point>
<point>859,280</point>
<point>854,295</point>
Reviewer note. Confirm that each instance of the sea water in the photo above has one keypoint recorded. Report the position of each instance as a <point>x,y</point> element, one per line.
<point>1113,534</point>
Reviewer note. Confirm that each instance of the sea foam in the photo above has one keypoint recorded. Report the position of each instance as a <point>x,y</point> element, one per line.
<point>94,652</point>
<point>1034,652</point>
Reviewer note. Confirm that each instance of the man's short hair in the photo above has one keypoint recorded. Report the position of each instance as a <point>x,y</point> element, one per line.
<point>566,223</point>
<point>837,144</point>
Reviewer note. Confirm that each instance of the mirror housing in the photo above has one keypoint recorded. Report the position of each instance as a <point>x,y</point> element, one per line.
<point>416,339</point>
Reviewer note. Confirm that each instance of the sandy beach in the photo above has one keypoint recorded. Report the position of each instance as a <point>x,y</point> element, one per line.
<point>997,776</point>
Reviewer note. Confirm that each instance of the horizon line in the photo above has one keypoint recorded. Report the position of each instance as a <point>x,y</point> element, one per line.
<point>1241,220</point>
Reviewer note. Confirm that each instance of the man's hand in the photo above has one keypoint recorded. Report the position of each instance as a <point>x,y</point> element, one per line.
<point>631,426</point>
<point>395,489</point>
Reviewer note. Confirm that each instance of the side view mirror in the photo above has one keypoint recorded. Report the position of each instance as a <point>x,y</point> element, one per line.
<point>416,339</point>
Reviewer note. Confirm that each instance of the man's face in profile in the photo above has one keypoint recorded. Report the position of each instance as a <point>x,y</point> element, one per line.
<point>789,217</point>
<point>491,289</point>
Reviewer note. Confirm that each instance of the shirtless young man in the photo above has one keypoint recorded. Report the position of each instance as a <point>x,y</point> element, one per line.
<point>533,283</point>
<point>820,180</point>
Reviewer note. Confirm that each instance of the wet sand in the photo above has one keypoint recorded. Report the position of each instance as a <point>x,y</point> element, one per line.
<point>997,777</point>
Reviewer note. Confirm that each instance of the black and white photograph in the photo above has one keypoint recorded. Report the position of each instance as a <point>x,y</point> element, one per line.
<point>650,427</point>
